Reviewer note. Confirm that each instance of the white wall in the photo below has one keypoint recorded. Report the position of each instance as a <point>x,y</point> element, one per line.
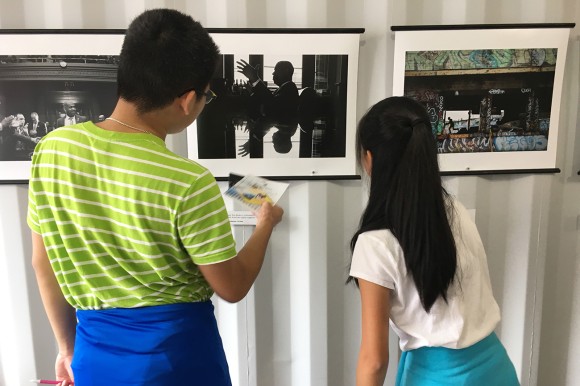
<point>300,324</point>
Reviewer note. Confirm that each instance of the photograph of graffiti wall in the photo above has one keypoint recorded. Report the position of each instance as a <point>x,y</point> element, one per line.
<point>493,100</point>
<point>493,93</point>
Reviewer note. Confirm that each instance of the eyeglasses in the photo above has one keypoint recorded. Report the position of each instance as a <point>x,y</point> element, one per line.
<point>209,95</point>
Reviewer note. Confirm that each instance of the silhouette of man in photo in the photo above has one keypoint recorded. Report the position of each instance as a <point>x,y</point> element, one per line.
<point>277,108</point>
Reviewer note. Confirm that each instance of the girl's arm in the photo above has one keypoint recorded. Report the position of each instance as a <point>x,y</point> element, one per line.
<point>373,358</point>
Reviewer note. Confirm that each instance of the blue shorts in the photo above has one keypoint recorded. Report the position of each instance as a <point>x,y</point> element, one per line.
<point>176,344</point>
<point>482,364</point>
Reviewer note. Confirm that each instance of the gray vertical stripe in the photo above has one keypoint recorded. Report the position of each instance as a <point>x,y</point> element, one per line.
<point>276,15</point>
<point>114,15</point>
<point>317,12</point>
<point>336,13</point>
<point>197,10</point>
<point>500,11</point>
<point>11,14</point>
<point>72,16</point>
<point>93,13</point>
<point>180,5</point>
<point>34,15</point>
<point>153,4</point>
<point>236,14</point>
<point>256,13</point>
<point>475,12</point>
<point>416,16</point>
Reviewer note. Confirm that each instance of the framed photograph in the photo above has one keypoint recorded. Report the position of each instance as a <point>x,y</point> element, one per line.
<point>285,105</point>
<point>302,127</point>
<point>50,78</point>
<point>492,92</point>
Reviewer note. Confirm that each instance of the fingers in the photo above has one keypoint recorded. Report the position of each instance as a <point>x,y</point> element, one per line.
<point>242,64</point>
<point>269,213</point>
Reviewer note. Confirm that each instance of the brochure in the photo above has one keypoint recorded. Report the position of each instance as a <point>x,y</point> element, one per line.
<point>252,191</point>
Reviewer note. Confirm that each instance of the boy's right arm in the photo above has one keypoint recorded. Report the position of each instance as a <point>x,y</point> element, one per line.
<point>232,279</point>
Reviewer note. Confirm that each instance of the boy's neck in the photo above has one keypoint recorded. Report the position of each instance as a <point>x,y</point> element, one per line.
<point>125,118</point>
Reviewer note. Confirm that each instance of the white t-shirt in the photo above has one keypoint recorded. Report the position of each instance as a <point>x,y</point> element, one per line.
<point>471,313</point>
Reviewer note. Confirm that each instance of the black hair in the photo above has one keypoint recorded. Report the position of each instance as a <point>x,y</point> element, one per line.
<point>406,194</point>
<point>285,68</point>
<point>165,54</point>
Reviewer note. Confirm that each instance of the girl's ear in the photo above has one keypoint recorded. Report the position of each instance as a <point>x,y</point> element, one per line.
<point>367,161</point>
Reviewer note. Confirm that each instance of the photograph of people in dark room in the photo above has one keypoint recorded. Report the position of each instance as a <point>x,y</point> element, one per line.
<point>41,93</point>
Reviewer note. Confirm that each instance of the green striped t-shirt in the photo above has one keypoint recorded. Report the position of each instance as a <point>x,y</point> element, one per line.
<point>125,221</point>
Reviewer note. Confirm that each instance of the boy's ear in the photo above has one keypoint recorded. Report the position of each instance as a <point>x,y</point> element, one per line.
<point>187,101</point>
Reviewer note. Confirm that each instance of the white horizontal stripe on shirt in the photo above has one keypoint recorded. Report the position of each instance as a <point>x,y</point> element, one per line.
<point>126,238</point>
<point>207,202</point>
<point>194,234</point>
<point>208,241</point>
<point>125,144</point>
<point>214,252</point>
<point>102,205</point>
<point>202,218</point>
<point>108,181</point>
<point>200,191</point>
<point>108,219</point>
<point>105,193</point>
<point>122,157</point>
<point>115,169</point>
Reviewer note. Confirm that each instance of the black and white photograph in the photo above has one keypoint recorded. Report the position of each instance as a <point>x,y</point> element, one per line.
<point>284,106</point>
<point>276,107</point>
<point>48,81</point>
<point>40,93</point>
<point>493,96</point>
<point>278,110</point>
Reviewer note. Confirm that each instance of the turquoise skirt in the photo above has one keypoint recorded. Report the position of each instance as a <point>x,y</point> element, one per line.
<point>170,345</point>
<point>482,364</point>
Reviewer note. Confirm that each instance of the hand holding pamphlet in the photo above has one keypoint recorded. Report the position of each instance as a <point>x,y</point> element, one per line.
<point>252,191</point>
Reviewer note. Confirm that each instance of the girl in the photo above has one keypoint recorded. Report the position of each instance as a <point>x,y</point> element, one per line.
<point>419,263</point>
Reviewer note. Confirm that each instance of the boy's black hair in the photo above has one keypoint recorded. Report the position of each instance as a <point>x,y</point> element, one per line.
<point>165,54</point>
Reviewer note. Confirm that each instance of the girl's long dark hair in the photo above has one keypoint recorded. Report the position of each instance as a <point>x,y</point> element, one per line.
<point>406,195</point>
